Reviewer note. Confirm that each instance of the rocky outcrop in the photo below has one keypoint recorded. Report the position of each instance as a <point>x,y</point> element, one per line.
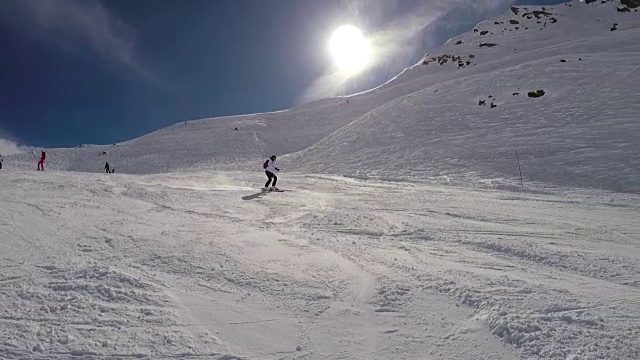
<point>536,94</point>
<point>631,3</point>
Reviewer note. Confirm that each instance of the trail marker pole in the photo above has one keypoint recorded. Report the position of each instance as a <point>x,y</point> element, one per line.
<point>519,168</point>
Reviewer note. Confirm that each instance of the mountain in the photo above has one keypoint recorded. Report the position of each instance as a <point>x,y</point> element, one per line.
<point>179,255</point>
<point>460,114</point>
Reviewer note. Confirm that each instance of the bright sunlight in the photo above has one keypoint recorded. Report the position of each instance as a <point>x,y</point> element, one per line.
<point>350,49</point>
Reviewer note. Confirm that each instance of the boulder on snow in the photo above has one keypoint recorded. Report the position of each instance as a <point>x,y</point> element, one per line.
<point>458,42</point>
<point>536,94</point>
<point>484,32</point>
<point>514,22</point>
<point>631,3</point>
<point>487,45</point>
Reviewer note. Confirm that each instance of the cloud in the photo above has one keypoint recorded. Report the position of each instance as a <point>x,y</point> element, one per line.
<point>395,41</point>
<point>83,26</point>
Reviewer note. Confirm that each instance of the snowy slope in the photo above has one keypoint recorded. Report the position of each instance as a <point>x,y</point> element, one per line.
<point>427,122</point>
<point>197,264</point>
<point>584,131</point>
<point>193,266</point>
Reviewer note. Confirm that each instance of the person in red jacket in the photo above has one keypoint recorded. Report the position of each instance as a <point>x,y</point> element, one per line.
<point>41,162</point>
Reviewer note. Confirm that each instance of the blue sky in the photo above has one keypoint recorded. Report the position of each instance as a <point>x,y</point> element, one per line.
<point>92,71</point>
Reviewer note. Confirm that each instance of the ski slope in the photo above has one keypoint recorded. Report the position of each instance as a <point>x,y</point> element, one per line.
<point>427,122</point>
<point>201,266</point>
<point>405,233</point>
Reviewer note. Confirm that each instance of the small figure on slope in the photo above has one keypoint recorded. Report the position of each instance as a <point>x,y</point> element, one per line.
<point>41,162</point>
<point>270,169</point>
<point>107,168</point>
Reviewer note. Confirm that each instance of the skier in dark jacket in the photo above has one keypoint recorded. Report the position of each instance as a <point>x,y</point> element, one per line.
<point>107,168</point>
<point>41,162</point>
<point>270,169</point>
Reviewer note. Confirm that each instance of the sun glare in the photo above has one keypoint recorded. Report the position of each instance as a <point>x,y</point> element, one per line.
<point>350,49</point>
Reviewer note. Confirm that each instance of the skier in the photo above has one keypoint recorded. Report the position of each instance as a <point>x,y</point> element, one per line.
<point>270,169</point>
<point>41,162</point>
<point>106,167</point>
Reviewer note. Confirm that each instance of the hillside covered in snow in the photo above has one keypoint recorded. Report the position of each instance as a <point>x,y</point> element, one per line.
<point>401,233</point>
<point>459,114</point>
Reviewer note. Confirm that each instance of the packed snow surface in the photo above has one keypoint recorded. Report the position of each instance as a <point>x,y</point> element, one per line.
<point>404,231</point>
<point>202,265</point>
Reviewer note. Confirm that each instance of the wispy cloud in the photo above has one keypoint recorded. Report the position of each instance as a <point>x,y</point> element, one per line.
<point>83,26</point>
<point>395,41</point>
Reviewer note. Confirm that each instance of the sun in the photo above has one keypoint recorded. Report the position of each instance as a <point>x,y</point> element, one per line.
<point>350,49</point>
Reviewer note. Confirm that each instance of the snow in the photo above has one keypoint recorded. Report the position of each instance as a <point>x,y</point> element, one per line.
<point>405,233</point>
<point>155,266</point>
<point>581,133</point>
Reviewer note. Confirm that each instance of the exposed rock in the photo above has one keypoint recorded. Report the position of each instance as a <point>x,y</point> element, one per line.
<point>516,94</point>
<point>482,102</point>
<point>631,3</point>
<point>563,61</point>
<point>514,22</point>
<point>515,10</point>
<point>487,45</point>
<point>458,42</point>
<point>538,14</point>
<point>445,58</point>
<point>484,32</point>
<point>536,94</point>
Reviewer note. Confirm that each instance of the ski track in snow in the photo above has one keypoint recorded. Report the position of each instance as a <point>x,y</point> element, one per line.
<point>177,266</point>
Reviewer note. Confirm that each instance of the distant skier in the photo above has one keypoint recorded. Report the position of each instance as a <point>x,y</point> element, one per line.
<point>41,162</point>
<point>107,168</point>
<point>270,169</point>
